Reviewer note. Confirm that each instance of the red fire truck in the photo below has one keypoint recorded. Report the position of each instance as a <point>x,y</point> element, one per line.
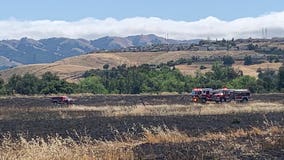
<point>202,95</point>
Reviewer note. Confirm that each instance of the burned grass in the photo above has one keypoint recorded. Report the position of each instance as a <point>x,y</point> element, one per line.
<point>213,131</point>
<point>155,143</point>
<point>79,111</point>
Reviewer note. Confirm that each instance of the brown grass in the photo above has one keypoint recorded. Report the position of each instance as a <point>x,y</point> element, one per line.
<point>75,111</point>
<point>71,67</point>
<point>159,57</point>
<point>268,137</point>
<point>250,70</point>
<point>58,148</point>
<point>164,135</point>
<point>192,69</point>
<point>193,109</point>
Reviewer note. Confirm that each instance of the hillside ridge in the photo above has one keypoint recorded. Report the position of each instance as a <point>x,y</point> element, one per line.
<point>30,51</point>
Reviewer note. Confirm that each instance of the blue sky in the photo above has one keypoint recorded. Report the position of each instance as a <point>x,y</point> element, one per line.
<point>180,19</point>
<point>186,10</point>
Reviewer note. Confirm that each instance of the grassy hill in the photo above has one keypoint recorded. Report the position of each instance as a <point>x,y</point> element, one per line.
<point>250,70</point>
<point>72,68</point>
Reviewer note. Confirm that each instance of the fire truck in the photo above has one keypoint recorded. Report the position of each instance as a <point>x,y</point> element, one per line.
<point>227,95</point>
<point>201,95</point>
<point>223,95</point>
<point>242,95</point>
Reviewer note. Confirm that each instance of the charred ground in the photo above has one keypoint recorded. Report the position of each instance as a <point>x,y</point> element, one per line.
<point>251,133</point>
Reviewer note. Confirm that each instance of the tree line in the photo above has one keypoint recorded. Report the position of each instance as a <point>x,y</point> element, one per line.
<point>226,60</point>
<point>143,79</point>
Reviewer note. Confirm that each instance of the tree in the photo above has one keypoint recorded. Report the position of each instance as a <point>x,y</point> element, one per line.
<point>51,84</point>
<point>13,83</point>
<point>2,87</point>
<point>230,73</point>
<point>243,82</point>
<point>63,86</point>
<point>28,84</point>
<point>228,60</point>
<point>281,78</point>
<point>252,47</point>
<point>1,83</point>
<point>106,66</point>
<point>217,71</point>
<point>222,74</point>
<point>189,62</point>
<point>92,85</point>
<point>48,77</point>
<point>247,60</point>
<point>106,75</point>
<point>202,67</point>
<point>258,70</point>
<point>268,80</point>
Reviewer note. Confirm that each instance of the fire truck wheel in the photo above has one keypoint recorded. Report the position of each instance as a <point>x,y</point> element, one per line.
<point>245,100</point>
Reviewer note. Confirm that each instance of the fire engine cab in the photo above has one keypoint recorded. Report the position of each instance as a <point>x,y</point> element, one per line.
<point>201,95</point>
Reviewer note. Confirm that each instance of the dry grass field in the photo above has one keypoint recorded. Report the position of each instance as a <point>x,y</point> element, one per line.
<point>193,69</point>
<point>79,111</point>
<point>71,68</point>
<point>58,148</point>
<point>194,131</point>
<point>250,70</point>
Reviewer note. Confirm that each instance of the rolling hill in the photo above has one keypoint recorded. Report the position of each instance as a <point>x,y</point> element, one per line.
<point>30,51</point>
<point>72,68</point>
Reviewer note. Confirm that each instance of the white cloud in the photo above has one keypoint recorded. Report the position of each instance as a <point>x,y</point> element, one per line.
<point>91,28</point>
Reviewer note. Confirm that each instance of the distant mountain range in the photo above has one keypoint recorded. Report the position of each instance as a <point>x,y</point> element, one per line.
<point>30,51</point>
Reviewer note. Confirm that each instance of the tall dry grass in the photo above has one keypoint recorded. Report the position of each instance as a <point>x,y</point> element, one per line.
<point>58,148</point>
<point>75,111</point>
<point>269,137</point>
<point>193,109</point>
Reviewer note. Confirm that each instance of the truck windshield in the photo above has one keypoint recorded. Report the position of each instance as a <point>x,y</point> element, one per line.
<point>195,92</point>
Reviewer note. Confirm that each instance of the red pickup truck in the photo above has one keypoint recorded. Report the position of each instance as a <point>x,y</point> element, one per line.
<point>62,100</point>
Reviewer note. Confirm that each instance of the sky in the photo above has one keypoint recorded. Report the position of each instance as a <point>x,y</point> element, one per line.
<point>180,19</point>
